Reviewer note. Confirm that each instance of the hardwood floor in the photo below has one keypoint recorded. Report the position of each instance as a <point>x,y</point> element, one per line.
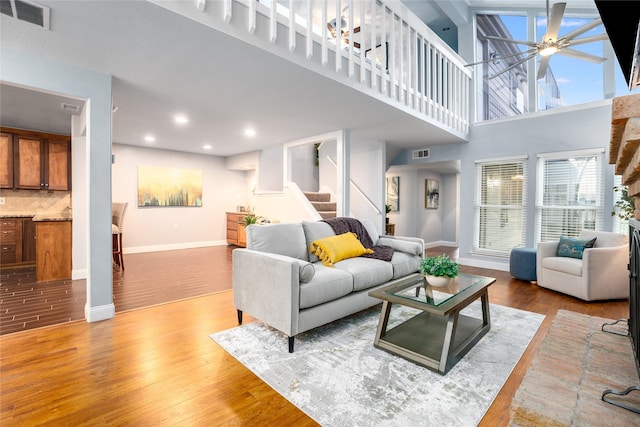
<point>158,366</point>
<point>149,279</point>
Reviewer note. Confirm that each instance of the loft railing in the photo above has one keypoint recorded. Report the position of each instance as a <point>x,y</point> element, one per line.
<point>376,46</point>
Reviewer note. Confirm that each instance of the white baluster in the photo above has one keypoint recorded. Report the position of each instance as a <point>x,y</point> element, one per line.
<point>252,16</point>
<point>363,43</point>
<point>374,41</point>
<point>325,35</point>
<point>309,29</point>
<point>273,22</point>
<point>338,37</point>
<point>351,37</point>
<point>292,26</point>
<point>383,28</point>
<point>226,11</point>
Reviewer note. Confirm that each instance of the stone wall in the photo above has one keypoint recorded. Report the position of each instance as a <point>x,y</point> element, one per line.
<point>625,139</point>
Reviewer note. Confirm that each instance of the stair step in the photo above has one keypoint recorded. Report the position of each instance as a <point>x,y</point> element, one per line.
<point>327,214</point>
<point>317,197</point>
<point>324,206</point>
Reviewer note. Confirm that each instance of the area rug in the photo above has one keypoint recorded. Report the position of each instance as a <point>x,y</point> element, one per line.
<point>576,362</point>
<point>338,378</point>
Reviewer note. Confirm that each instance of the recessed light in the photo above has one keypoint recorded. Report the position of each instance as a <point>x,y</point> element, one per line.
<point>250,132</point>
<point>206,147</point>
<point>181,119</point>
<point>149,138</point>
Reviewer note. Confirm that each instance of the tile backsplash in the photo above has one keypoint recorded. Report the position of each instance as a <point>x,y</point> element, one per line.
<point>32,202</point>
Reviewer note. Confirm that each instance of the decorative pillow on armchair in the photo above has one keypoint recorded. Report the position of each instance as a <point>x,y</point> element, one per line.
<point>572,247</point>
<point>336,248</point>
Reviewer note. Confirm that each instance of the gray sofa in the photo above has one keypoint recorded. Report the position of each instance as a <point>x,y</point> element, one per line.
<point>277,280</point>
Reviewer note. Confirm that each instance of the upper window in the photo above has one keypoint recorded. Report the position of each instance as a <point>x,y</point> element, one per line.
<point>507,81</point>
<point>500,206</point>
<point>569,194</point>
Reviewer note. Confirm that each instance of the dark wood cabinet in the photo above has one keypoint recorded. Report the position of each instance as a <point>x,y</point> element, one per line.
<point>17,241</point>
<point>6,160</point>
<point>39,161</point>
<point>53,250</point>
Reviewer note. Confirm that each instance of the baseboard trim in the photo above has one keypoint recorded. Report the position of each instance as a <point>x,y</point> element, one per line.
<point>79,274</point>
<point>429,245</point>
<point>173,246</point>
<point>101,312</point>
<point>492,265</point>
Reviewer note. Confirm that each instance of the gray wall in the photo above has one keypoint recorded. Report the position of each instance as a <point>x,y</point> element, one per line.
<point>575,128</point>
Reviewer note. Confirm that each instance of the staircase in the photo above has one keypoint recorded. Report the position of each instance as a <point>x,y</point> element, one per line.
<point>323,204</point>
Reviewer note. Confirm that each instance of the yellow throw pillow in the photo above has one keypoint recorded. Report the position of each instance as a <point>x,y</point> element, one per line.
<point>335,248</point>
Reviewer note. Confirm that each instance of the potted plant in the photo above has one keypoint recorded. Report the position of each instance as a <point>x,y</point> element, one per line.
<point>387,209</point>
<point>439,270</point>
<point>625,205</point>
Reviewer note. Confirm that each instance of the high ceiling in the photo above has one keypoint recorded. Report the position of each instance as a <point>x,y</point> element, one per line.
<point>164,64</point>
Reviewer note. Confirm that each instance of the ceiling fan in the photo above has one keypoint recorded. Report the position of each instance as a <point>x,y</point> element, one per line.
<point>551,44</point>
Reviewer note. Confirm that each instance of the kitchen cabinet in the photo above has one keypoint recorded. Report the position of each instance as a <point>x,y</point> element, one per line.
<point>6,160</point>
<point>17,241</point>
<point>235,229</point>
<point>40,161</point>
<point>53,250</point>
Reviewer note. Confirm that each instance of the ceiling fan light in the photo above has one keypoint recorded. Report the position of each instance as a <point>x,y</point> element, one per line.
<point>548,51</point>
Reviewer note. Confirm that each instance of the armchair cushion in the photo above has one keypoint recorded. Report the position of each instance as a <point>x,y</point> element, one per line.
<point>572,247</point>
<point>336,248</point>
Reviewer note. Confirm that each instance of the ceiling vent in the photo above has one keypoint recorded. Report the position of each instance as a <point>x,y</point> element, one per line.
<point>26,11</point>
<point>70,107</point>
<point>420,154</point>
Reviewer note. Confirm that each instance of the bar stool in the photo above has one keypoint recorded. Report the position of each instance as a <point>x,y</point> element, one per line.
<point>117,214</point>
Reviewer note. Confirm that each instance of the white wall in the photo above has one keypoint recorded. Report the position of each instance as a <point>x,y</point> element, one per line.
<point>163,228</point>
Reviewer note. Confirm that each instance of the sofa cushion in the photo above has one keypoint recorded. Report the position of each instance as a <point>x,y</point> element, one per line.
<point>563,264</point>
<point>336,248</point>
<point>326,285</point>
<point>406,246</point>
<point>371,229</point>
<point>306,271</point>
<point>404,264</point>
<point>283,239</point>
<point>366,272</point>
<point>572,247</point>
<point>314,231</point>
<point>605,239</point>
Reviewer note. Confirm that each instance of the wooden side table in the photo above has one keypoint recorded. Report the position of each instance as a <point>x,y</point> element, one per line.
<point>390,229</point>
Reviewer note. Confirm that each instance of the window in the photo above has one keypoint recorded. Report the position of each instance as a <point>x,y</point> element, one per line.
<point>500,206</point>
<point>569,194</point>
<point>620,225</point>
<point>509,86</point>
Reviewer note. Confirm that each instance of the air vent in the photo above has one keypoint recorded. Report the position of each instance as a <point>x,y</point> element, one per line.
<point>420,154</point>
<point>70,107</point>
<point>26,11</point>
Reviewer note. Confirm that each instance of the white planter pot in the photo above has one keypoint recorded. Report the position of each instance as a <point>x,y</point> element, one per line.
<point>438,281</point>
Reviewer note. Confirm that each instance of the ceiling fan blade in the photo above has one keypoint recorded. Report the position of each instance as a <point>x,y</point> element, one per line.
<point>542,68</point>
<point>497,58</point>
<point>584,40</point>
<point>513,66</point>
<point>575,33</point>
<point>502,39</point>
<point>554,21</point>
<point>580,55</point>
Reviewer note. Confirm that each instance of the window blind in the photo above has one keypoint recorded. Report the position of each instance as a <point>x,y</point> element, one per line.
<point>500,206</point>
<point>569,194</point>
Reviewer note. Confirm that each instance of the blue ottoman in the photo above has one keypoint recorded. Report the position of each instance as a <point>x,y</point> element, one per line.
<point>522,264</point>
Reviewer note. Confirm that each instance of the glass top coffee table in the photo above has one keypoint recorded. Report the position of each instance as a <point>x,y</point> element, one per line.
<point>438,336</point>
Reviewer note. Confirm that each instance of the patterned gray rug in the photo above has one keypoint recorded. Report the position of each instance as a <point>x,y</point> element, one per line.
<point>338,378</point>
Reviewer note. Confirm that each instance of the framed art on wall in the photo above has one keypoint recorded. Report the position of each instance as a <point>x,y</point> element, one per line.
<point>393,193</point>
<point>431,193</point>
<point>162,186</point>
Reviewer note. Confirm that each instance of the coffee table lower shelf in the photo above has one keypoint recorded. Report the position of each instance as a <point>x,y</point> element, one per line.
<point>434,341</point>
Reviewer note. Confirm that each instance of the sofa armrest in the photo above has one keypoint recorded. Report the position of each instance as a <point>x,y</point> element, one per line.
<point>605,270</point>
<point>267,286</point>
<point>412,245</point>
<point>544,250</point>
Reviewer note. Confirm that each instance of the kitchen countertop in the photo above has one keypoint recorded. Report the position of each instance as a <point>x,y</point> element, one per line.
<point>49,216</point>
